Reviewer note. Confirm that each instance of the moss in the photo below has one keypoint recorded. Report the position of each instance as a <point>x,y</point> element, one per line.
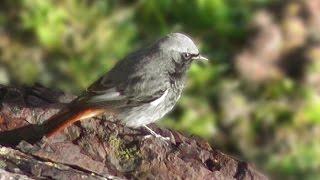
<point>4,151</point>
<point>16,110</point>
<point>2,164</point>
<point>126,155</point>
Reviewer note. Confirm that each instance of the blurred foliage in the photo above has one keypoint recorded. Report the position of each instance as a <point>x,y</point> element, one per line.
<point>67,44</point>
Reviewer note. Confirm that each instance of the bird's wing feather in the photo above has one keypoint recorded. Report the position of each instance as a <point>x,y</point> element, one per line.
<point>134,80</point>
<point>129,93</point>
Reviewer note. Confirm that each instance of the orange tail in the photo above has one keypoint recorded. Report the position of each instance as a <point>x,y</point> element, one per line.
<point>65,119</point>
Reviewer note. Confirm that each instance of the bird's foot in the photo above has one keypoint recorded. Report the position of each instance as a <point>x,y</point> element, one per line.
<point>154,134</point>
<point>157,136</point>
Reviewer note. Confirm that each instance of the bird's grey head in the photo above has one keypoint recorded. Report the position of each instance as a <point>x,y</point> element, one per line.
<point>180,51</point>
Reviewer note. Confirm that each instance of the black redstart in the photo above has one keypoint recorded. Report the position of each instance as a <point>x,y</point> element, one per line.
<point>138,90</point>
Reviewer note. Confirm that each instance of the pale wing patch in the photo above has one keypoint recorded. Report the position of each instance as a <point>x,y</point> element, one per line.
<point>109,95</point>
<point>160,99</point>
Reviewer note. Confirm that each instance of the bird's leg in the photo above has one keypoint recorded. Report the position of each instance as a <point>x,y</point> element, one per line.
<point>155,134</point>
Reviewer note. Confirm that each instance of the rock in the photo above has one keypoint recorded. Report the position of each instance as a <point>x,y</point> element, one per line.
<point>99,148</point>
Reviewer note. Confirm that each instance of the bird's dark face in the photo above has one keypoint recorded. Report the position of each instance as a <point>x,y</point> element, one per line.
<point>181,52</point>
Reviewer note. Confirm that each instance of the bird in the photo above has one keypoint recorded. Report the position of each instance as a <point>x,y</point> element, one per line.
<point>140,89</point>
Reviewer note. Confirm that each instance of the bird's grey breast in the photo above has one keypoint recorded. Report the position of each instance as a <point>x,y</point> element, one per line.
<point>149,112</point>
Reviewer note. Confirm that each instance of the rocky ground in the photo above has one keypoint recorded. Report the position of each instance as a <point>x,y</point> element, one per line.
<point>97,148</point>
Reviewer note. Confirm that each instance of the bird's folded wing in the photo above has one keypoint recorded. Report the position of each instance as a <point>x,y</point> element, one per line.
<point>108,94</point>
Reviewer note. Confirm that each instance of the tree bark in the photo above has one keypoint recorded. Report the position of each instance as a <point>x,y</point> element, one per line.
<point>99,148</point>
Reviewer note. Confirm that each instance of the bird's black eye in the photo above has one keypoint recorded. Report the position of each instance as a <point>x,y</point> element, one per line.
<point>186,56</point>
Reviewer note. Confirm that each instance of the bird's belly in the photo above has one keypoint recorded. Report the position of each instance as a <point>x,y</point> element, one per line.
<point>145,114</point>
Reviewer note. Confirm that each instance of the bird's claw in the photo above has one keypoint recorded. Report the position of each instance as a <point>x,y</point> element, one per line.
<point>157,136</point>
<point>154,134</point>
<point>166,140</point>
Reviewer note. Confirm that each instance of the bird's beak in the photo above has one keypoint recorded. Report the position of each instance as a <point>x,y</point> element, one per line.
<point>201,58</point>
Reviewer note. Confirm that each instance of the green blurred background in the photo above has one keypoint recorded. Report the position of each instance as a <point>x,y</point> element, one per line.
<point>258,99</point>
